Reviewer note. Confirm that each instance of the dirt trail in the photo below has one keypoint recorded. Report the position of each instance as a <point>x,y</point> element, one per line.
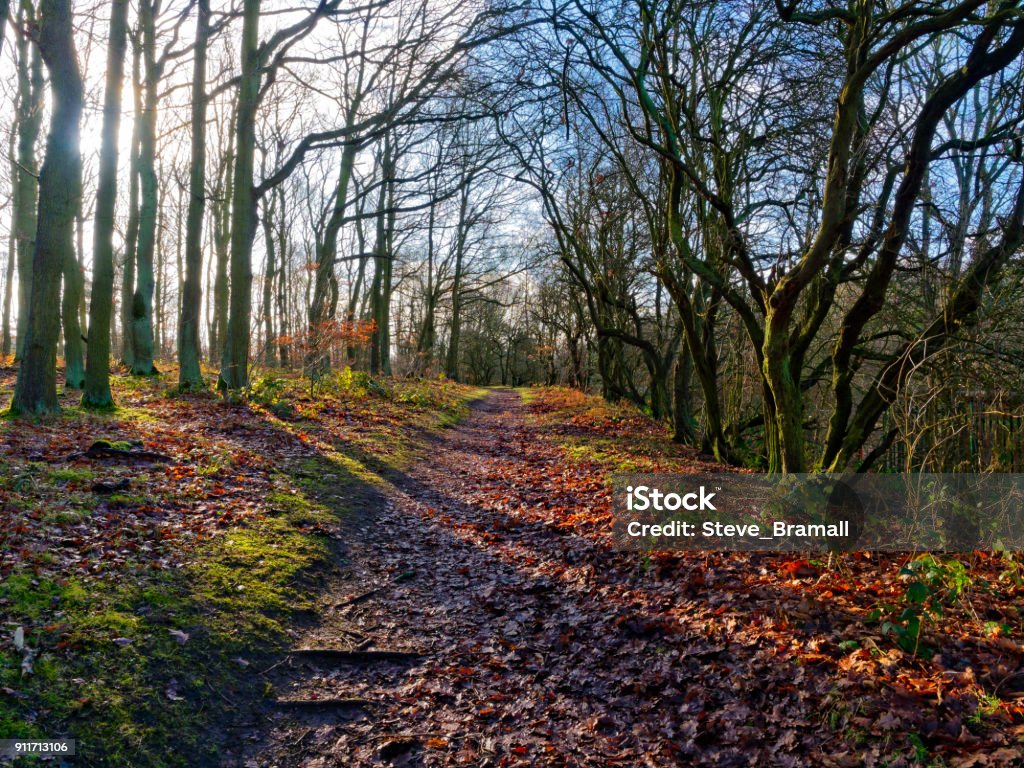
<point>536,645</point>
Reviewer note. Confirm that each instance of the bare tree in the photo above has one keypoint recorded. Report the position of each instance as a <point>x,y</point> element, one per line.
<point>60,182</point>
<point>97,373</point>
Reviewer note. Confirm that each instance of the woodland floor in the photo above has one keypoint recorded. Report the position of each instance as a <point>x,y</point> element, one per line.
<point>539,646</point>
<point>442,593</point>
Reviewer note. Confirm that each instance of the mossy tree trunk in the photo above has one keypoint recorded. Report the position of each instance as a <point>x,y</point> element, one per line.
<point>684,429</point>
<point>234,371</point>
<point>60,190</point>
<point>26,188</point>
<point>70,305</point>
<point>222,248</point>
<point>142,298</point>
<point>282,276</point>
<point>267,312</point>
<point>131,237</point>
<point>97,369</point>
<point>190,375</point>
<point>380,297</point>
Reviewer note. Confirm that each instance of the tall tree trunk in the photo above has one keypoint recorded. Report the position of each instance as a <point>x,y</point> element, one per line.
<point>784,383</point>
<point>376,284</point>
<point>70,304</point>
<point>380,266</point>
<point>142,298</point>
<point>352,311</point>
<point>60,190</point>
<point>83,309</point>
<point>160,269</point>
<point>234,372</point>
<point>282,278</point>
<point>222,247</point>
<point>131,238</point>
<point>26,193</point>
<point>383,318</point>
<point>451,366</point>
<point>684,428</point>
<point>428,329</point>
<point>268,281</point>
<point>12,247</point>
<point>190,375</point>
<point>97,368</point>
<point>5,342</point>
<point>180,211</point>
<point>386,257</point>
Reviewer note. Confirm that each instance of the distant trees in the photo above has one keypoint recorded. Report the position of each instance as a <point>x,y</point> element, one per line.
<point>407,50</point>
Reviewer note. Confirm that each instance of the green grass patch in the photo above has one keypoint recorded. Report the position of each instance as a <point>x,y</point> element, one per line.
<point>603,452</point>
<point>526,394</point>
<point>71,475</point>
<point>111,674</point>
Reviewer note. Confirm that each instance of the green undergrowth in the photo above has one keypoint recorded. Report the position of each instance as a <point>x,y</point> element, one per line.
<point>293,398</point>
<point>616,437</point>
<point>527,394</point>
<point>604,452</point>
<point>402,411</point>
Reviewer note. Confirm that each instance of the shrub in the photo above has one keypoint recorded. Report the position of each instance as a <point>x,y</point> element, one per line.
<point>930,584</point>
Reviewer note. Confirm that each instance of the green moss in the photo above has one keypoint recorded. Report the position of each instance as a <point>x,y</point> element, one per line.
<point>71,475</point>
<point>114,445</point>
<point>257,568</point>
<point>127,499</point>
<point>526,394</point>
<point>212,463</point>
<point>26,598</point>
<point>119,413</point>
<point>236,598</point>
<point>22,479</point>
<point>602,452</point>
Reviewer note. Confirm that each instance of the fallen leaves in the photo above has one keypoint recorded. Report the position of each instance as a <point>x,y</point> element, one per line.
<point>541,645</point>
<point>549,648</point>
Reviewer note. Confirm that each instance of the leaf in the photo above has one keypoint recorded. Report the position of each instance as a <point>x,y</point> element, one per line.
<point>917,592</point>
<point>172,691</point>
<point>180,637</point>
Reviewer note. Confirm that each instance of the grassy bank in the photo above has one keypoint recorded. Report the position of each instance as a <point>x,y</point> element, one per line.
<point>140,599</point>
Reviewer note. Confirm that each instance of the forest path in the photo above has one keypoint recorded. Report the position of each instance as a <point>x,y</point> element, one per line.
<point>537,645</point>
